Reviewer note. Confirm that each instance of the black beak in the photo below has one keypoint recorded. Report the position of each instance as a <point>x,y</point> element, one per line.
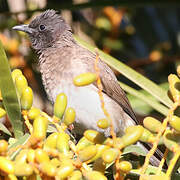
<point>25,28</point>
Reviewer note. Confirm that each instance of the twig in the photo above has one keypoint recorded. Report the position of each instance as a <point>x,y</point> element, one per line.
<point>99,85</point>
<point>162,161</point>
<point>155,144</point>
<point>28,124</point>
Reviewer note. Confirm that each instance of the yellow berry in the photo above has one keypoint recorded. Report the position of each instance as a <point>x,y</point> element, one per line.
<point>40,127</point>
<point>31,155</point>
<point>125,166</point>
<point>55,162</point>
<point>23,169</point>
<point>146,136</point>
<point>69,116</point>
<point>83,143</point>
<point>15,73</point>
<point>60,105</point>
<point>174,121</point>
<point>21,83</point>
<point>94,136</point>
<point>152,124</point>
<point>51,141</point>
<point>87,153</point>
<point>22,156</point>
<point>26,98</point>
<point>84,79</point>
<point>173,87</point>
<point>6,165</point>
<point>63,143</point>
<point>33,113</point>
<point>100,150</point>
<point>48,169</point>
<point>41,156</point>
<point>132,135</point>
<point>103,123</point>
<point>65,170</point>
<point>110,155</point>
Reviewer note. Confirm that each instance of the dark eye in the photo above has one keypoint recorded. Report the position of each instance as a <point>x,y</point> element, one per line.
<point>42,27</point>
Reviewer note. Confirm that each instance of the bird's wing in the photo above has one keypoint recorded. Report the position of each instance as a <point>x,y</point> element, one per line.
<point>109,81</point>
<point>112,88</point>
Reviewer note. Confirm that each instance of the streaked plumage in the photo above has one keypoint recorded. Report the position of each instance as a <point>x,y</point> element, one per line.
<point>61,58</point>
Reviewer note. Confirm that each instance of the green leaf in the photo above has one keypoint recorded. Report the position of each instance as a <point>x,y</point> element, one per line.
<point>153,170</point>
<point>10,99</point>
<point>20,141</point>
<point>149,171</point>
<point>159,93</point>
<point>144,104</point>
<point>139,106</point>
<point>134,149</point>
<point>148,99</point>
<point>4,129</point>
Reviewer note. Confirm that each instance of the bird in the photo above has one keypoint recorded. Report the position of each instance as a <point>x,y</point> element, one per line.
<point>61,59</point>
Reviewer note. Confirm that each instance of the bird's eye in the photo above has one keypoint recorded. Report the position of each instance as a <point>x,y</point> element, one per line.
<point>42,27</point>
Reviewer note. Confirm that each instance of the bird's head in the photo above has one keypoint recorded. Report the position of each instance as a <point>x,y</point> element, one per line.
<point>45,29</point>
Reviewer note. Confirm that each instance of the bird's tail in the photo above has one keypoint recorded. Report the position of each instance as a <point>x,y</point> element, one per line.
<point>155,159</point>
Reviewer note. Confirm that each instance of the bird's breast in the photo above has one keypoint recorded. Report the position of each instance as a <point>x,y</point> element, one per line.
<point>58,78</point>
<point>86,102</point>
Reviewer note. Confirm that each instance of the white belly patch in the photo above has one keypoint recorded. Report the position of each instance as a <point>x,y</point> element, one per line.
<point>86,102</point>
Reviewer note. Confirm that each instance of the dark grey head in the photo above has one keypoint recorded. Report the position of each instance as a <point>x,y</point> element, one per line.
<point>45,29</point>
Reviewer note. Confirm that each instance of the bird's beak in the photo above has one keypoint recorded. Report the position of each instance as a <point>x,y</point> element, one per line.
<point>25,28</point>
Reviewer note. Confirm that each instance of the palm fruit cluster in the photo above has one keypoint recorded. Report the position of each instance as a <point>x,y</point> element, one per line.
<point>57,155</point>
